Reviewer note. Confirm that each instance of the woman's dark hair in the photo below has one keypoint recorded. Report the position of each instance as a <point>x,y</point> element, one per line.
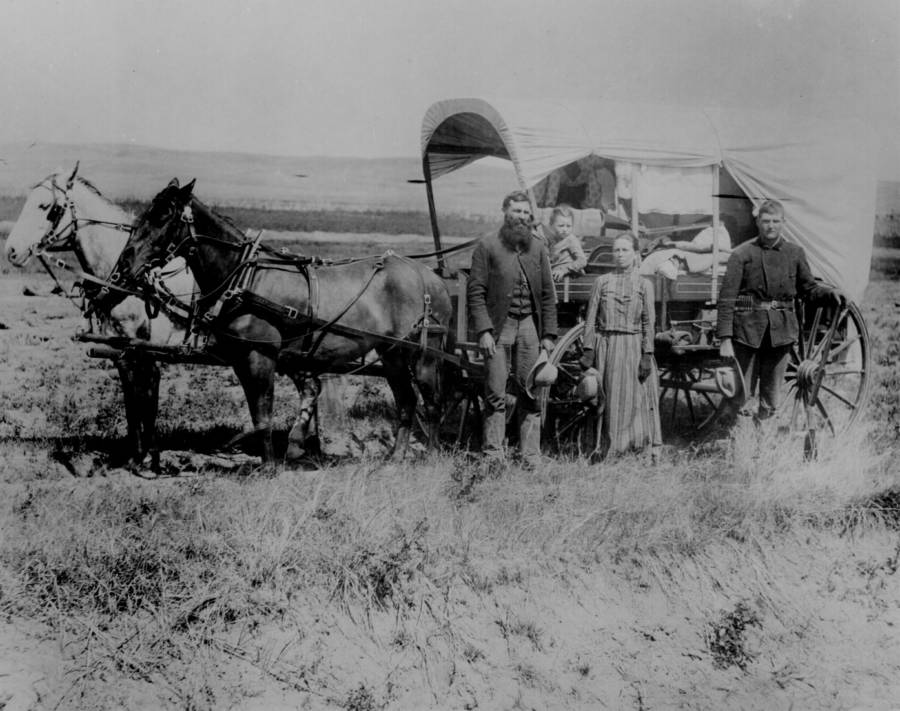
<point>635,244</point>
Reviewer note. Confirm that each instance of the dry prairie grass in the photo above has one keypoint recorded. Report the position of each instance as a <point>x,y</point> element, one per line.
<point>734,576</point>
<point>372,582</point>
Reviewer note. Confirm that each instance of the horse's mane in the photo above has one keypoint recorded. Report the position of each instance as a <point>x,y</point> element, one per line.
<point>84,181</point>
<point>218,215</point>
<point>89,185</point>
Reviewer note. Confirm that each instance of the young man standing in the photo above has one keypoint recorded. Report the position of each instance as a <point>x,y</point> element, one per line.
<point>756,319</point>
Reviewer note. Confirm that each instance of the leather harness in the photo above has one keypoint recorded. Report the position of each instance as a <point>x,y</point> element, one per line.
<point>236,295</point>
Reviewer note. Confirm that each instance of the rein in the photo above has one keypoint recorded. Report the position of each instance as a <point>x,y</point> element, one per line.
<point>81,274</point>
<point>441,252</point>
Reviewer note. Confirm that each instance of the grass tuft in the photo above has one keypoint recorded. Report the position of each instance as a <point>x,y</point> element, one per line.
<point>726,637</point>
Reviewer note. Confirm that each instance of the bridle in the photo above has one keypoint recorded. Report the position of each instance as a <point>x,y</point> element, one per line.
<point>133,277</point>
<point>64,238</point>
<point>55,238</point>
<point>59,237</point>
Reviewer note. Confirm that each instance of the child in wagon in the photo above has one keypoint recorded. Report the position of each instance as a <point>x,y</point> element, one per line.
<point>566,253</point>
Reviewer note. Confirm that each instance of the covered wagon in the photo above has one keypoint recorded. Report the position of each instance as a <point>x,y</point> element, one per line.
<point>674,174</point>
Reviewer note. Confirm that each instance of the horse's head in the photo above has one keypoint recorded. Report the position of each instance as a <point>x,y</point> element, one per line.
<point>162,232</point>
<point>47,220</point>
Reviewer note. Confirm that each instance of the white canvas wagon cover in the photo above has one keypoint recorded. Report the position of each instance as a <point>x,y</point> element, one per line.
<point>822,170</point>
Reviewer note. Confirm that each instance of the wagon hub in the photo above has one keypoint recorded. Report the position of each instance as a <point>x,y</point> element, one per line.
<point>806,374</point>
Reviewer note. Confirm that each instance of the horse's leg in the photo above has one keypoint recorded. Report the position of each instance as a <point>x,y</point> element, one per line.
<point>130,393</point>
<point>149,411</point>
<point>256,372</point>
<point>299,439</point>
<point>430,375</point>
<point>398,377</point>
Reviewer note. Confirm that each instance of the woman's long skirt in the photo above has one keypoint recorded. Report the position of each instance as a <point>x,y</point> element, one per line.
<point>629,420</point>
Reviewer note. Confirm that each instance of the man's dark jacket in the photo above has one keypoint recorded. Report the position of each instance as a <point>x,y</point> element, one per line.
<point>759,275</point>
<point>494,275</point>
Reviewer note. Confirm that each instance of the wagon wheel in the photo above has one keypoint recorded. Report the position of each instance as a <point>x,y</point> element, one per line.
<point>828,374</point>
<point>461,420</point>
<point>696,392</point>
<point>569,424</point>
<point>461,415</point>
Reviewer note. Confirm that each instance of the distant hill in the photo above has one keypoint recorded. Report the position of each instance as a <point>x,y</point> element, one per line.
<point>304,183</point>
<point>246,180</point>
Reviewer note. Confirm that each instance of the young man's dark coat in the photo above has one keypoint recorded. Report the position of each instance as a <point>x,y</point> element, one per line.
<point>758,275</point>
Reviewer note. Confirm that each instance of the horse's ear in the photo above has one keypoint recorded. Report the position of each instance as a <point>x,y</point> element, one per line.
<point>187,191</point>
<point>71,181</point>
<point>173,183</point>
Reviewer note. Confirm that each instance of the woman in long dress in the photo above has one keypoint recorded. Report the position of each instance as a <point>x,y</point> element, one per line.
<point>618,341</point>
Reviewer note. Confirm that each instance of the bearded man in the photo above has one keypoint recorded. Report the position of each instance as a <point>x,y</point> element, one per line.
<point>512,303</point>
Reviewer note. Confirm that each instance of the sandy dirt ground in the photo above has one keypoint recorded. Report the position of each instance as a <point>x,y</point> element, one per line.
<point>825,633</point>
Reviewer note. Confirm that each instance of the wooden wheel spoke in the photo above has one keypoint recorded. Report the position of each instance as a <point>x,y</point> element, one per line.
<point>796,356</point>
<point>828,337</point>
<point>566,417</point>
<point>821,408</point>
<point>838,396</point>
<point>687,409</point>
<point>835,352</point>
<point>795,412</point>
<point>690,405</point>
<point>813,332</point>
<point>817,352</point>
<point>837,373</point>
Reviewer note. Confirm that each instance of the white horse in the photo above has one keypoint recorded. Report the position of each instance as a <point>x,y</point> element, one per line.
<point>67,213</point>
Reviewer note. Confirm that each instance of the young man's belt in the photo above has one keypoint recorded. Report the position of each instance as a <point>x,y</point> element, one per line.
<point>752,303</point>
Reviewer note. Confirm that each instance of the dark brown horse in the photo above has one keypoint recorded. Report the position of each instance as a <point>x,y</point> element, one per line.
<point>270,312</point>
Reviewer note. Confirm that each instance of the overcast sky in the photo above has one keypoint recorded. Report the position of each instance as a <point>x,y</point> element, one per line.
<point>354,77</point>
